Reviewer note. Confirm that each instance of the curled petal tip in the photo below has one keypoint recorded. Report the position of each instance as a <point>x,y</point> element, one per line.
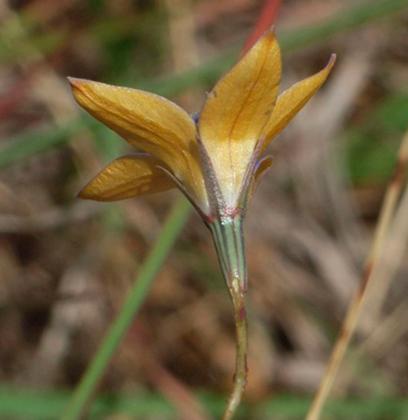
<point>329,66</point>
<point>270,33</point>
<point>76,82</point>
<point>332,60</point>
<point>271,30</point>
<point>81,194</point>
<point>73,81</point>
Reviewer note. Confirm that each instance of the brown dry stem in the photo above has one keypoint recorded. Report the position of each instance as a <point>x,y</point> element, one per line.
<point>349,324</point>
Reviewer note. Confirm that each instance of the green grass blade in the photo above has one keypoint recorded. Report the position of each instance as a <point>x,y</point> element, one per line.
<point>47,405</point>
<point>34,142</point>
<point>351,18</point>
<point>347,19</point>
<point>171,229</point>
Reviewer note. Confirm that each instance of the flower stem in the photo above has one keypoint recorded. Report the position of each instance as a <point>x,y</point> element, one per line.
<point>229,243</point>
<point>240,375</point>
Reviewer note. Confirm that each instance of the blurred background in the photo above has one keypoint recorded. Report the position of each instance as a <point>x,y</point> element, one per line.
<point>66,265</point>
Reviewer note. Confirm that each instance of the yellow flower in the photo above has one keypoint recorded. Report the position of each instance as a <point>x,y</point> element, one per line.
<point>214,159</point>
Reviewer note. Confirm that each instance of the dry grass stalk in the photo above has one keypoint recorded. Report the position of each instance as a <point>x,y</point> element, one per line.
<point>387,212</point>
<point>394,251</point>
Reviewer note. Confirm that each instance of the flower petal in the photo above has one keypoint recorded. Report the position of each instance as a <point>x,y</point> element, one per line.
<point>149,122</point>
<point>262,167</point>
<point>127,177</point>
<point>237,110</point>
<point>292,100</point>
<point>259,170</point>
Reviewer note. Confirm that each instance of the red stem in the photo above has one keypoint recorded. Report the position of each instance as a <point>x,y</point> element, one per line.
<point>266,19</point>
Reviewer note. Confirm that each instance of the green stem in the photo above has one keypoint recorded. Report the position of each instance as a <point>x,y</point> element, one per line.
<point>241,370</point>
<point>171,229</point>
<point>229,243</point>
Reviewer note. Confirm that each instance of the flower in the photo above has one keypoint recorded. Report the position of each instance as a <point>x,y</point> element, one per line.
<point>214,159</point>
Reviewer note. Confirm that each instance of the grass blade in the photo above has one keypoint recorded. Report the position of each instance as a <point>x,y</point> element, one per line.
<point>171,229</point>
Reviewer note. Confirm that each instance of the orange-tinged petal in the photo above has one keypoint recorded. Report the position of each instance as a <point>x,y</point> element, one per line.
<point>292,100</point>
<point>148,122</point>
<point>263,166</point>
<point>260,169</point>
<point>127,177</point>
<point>237,110</point>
